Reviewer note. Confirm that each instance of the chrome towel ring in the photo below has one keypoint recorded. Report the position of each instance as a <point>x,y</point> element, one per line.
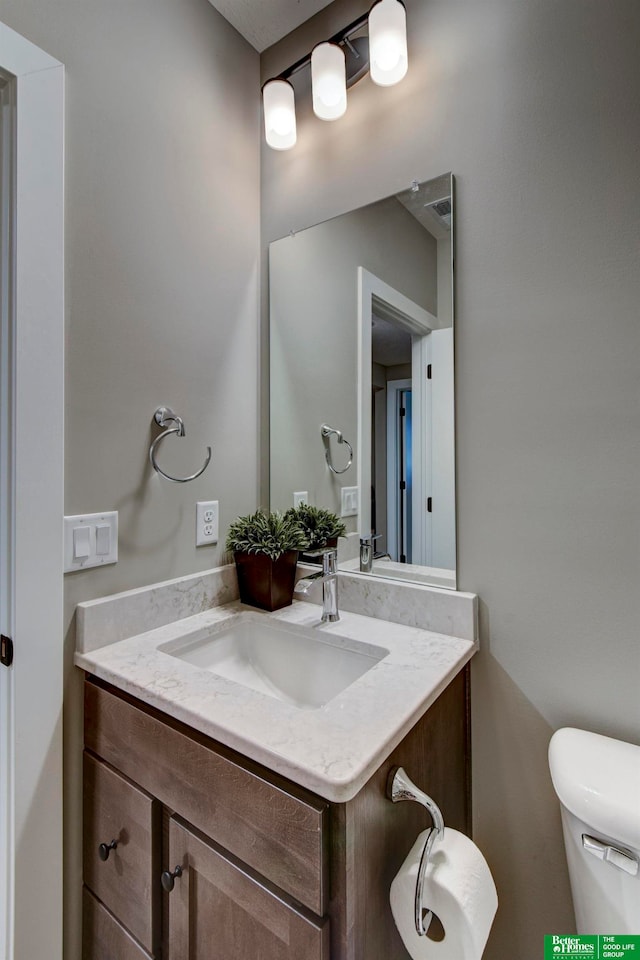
<point>400,787</point>
<point>326,432</point>
<point>164,416</point>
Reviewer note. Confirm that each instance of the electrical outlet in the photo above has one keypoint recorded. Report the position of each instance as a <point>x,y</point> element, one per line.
<point>206,522</point>
<point>349,502</point>
<point>300,496</point>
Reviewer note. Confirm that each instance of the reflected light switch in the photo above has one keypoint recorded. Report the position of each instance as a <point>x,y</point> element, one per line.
<point>349,502</point>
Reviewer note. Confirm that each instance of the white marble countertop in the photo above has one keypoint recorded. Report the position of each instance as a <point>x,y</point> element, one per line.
<point>331,750</point>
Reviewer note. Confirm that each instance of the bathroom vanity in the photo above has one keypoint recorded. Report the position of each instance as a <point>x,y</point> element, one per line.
<point>221,823</point>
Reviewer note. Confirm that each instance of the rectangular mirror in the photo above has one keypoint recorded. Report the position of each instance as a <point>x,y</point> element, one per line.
<point>362,380</point>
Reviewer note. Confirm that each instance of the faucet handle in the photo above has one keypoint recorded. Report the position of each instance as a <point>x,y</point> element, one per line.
<point>370,540</point>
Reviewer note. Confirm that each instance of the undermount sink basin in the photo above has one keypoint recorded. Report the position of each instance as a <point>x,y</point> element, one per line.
<point>300,665</point>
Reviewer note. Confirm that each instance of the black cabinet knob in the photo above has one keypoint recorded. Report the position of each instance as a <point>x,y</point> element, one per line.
<point>168,878</point>
<point>105,849</point>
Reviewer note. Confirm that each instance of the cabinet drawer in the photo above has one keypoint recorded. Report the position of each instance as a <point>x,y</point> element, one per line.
<point>116,810</point>
<point>277,830</point>
<point>220,911</point>
<point>103,937</point>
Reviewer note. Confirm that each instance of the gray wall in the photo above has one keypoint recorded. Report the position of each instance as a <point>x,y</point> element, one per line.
<point>313,278</point>
<point>534,107</point>
<point>162,157</point>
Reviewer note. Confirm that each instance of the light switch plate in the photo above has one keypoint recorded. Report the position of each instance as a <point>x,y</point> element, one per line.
<point>300,496</point>
<point>349,502</point>
<point>90,540</point>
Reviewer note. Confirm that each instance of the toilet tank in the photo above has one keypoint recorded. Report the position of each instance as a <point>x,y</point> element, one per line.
<point>597,780</point>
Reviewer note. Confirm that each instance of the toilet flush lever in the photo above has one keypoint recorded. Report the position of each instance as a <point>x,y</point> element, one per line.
<point>623,859</point>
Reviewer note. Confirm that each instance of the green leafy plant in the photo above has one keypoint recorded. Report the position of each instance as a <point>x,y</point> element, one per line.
<point>269,534</point>
<point>319,525</point>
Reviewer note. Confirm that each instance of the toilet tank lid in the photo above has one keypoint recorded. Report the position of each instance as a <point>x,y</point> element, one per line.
<point>598,779</point>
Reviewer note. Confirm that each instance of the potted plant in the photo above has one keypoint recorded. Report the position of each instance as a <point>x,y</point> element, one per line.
<point>321,527</point>
<point>265,548</point>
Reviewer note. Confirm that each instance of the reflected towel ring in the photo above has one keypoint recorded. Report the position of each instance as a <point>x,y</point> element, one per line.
<point>326,432</point>
<point>400,787</point>
<point>162,417</point>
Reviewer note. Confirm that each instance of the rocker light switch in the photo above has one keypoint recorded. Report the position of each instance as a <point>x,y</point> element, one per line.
<point>81,543</point>
<point>103,539</point>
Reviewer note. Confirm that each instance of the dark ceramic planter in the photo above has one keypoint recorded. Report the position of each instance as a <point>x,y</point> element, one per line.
<point>266,583</point>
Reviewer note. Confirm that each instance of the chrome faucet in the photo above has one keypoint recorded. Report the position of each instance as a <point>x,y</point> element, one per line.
<point>367,552</point>
<point>329,577</point>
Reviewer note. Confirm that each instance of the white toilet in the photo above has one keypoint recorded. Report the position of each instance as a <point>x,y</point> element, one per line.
<point>597,780</point>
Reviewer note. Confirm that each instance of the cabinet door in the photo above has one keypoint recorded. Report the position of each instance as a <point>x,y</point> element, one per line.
<point>220,911</point>
<point>123,876</point>
<point>104,938</point>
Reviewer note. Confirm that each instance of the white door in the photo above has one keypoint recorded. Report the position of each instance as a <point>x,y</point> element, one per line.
<point>31,499</point>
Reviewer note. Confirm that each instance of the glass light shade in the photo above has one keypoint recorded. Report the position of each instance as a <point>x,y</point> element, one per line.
<point>279,114</point>
<point>328,81</point>
<point>388,42</point>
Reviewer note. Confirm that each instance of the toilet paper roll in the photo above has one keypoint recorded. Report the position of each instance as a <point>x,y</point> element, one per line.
<point>458,888</point>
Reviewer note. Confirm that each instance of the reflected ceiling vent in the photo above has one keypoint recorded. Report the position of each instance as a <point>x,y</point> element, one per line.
<point>442,208</point>
<point>431,204</point>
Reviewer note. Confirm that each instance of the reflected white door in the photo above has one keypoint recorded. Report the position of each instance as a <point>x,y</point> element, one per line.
<point>400,476</point>
<point>419,323</point>
<point>442,470</point>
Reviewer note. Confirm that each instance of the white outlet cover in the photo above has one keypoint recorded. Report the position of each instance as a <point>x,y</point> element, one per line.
<point>300,496</point>
<point>206,522</point>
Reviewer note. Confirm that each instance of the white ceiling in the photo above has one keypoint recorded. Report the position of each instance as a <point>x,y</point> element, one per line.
<point>263,22</point>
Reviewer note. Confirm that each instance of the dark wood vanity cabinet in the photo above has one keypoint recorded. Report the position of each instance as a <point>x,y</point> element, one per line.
<point>194,852</point>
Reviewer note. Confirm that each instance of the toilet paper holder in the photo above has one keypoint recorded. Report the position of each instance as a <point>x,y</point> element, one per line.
<point>400,787</point>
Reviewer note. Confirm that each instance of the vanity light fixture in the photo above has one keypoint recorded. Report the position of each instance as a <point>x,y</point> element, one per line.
<point>388,42</point>
<point>337,64</point>
<point>328,81</point>
<point>279,114</point>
